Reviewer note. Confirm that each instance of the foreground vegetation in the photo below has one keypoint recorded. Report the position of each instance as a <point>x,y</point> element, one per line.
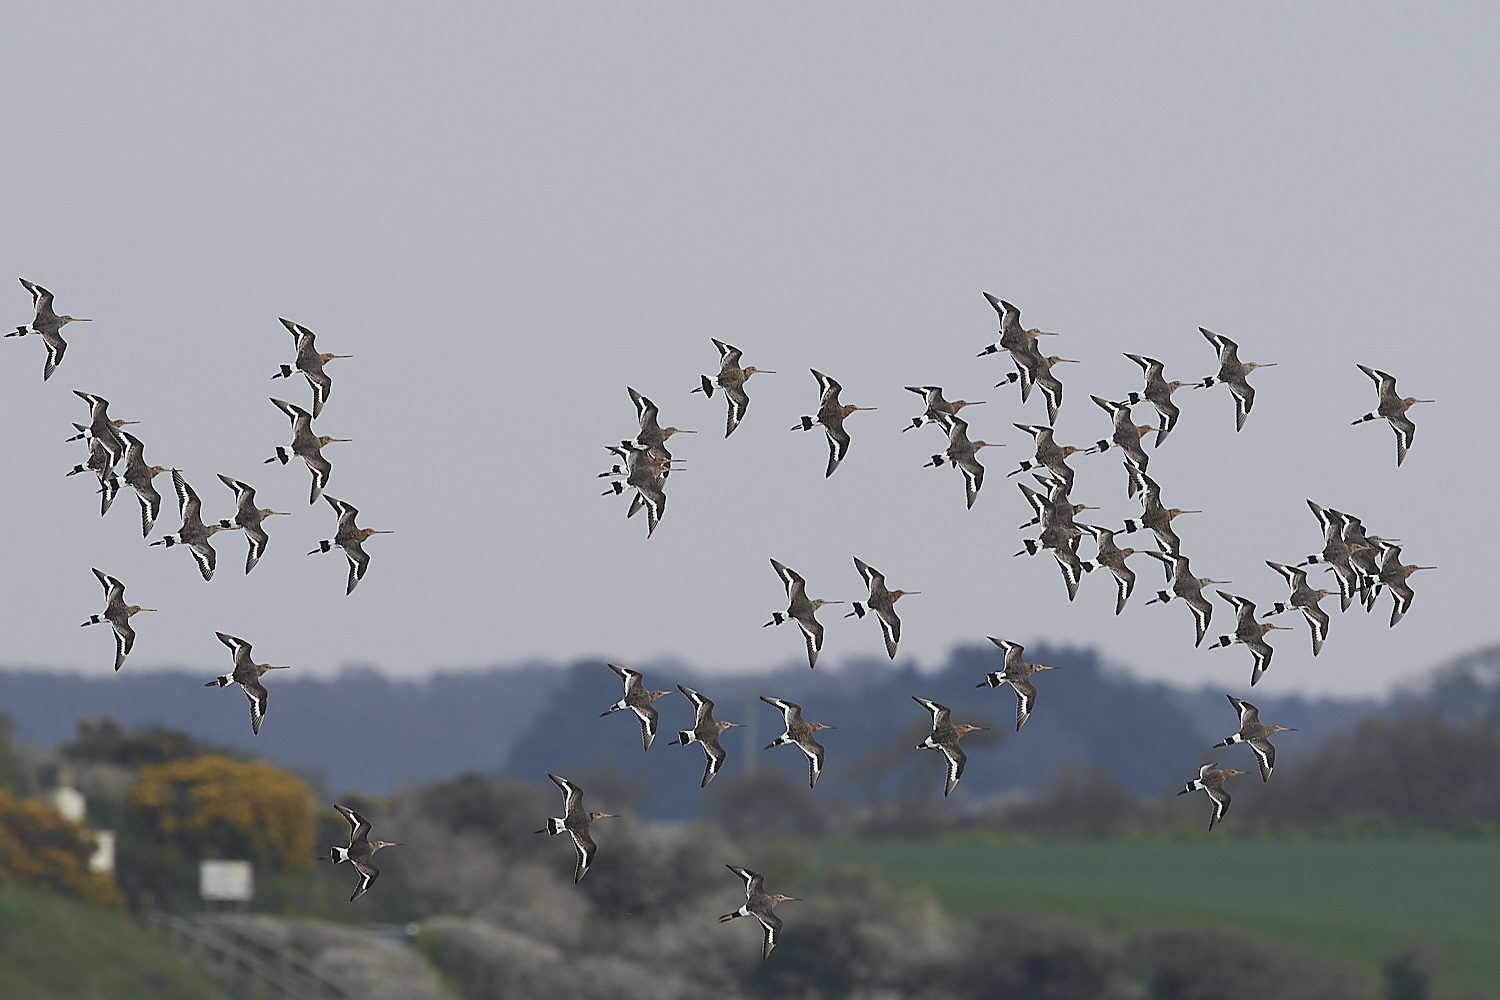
<point>52,948</point>
<point>1433,903</point>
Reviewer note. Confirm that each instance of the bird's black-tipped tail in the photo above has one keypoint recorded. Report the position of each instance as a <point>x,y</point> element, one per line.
<point>221,682</point>
<point>684,737</point>
<point>284,371</point>
<point>707,388</point>
<point>281,456</point>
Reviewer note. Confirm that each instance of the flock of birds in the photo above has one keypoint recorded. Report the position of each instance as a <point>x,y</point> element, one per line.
<point>117,456</point>
<point>1363,564</point>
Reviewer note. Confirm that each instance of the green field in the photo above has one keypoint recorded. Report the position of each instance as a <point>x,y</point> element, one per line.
<point>1353,901</point>
<point>55,949</point>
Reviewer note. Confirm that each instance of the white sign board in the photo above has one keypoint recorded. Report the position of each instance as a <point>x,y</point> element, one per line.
<point>226,880</point>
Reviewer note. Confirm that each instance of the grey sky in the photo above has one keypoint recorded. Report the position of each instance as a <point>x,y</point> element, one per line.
<point>509,214</point>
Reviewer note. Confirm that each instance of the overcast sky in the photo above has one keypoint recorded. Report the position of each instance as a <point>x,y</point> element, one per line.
<point>509,214</point>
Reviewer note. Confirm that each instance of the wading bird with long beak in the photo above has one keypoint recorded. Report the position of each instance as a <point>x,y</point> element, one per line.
<point>761,906</point>
<point>731,379</point>
<point>1234,373</point>
<point>830,417</point>
<point>101,464</point>
<point>1112,557</point>
<point>705,731</point>
<point>1155,516</point>
<point>1337,553</point>
<point>944,739</point>
<point>307,446</point>
<point>962,453</point>
<point>138,476</point>
<point>645,470</point>
<point>1127,437</point>
<point>1211,780</point>
<point>194,533</point>
<point>1050,385</point>
<point>310,363</point>
<point>246,674</point>
<point>800,610</point>
<point>1392,408</point>
<point>1188,587</point>
<point>1158,393</point>
<point>1050,455</point>
<point>800,734</point>
<point>575,822</point>
<point>1250,633</point>
<point>1364,555</point>
<point>638,700</point>
<point>248,516</point>
<point>1018,342</point>
<point>652,434</point>
<point>46,324</point>
<point>1254,734</point>
<point>101,428</point>
<point>1304,599</point>
<point>938,408</point>
<point>1393,576</point>
<point>359,852</point>
<point>351,538</point>
<point>1017,673</point>
<point>117,613</point>
<point>883,603</point>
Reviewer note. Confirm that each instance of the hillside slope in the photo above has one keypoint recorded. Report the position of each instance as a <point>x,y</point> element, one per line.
<point>55,949</point>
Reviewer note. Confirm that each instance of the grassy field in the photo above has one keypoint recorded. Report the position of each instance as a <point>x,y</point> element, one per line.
<point>1356,901</point>
<point>55,949</point>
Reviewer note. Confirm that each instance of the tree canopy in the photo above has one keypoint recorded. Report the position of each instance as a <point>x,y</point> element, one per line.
<point>39,849</point>
<point>212,806</point>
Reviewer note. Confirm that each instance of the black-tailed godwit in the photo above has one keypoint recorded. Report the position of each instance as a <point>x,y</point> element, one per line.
<point>761,906</point>
<point>117,613</point>
<point>801,610</point>
<point>638,700</point>
<point>575,822</point>
<point>800,734</point>
<point>731,379</point>
<point>246,674</point>
<point>1256,735</point>
<point>359,852</point>
<point>944,739</point>
<point>705,731</point>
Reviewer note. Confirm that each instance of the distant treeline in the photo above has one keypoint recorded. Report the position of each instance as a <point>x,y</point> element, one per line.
<point>1098,754</point>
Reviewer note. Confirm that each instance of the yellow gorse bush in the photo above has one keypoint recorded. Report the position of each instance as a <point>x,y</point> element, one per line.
<point>213,806</point>
<point>39,849</point>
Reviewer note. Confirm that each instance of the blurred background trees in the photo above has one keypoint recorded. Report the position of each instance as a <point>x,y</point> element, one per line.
<point>499,915</point>
<point>212,806</point>
<point>39,849</point>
